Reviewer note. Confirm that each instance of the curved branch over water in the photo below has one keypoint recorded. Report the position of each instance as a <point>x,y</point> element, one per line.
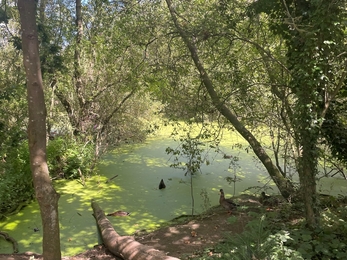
<point>284,185</point>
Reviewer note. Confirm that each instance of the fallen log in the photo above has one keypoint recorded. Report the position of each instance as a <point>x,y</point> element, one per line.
<point>124,246</point>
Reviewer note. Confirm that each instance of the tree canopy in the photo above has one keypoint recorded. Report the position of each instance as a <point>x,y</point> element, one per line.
<point>112,69</point>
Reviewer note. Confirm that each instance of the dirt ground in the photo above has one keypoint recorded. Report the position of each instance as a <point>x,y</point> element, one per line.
<point>185,240</point>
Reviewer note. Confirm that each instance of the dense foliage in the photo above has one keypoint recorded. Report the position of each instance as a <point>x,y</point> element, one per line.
<point>66,159</point>
<point>273,235</point>
<point>112,107</point>
<point>274,71</point>
<point>15,179</point>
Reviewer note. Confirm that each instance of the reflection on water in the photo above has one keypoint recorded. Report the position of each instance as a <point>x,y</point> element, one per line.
<point>140,169</point>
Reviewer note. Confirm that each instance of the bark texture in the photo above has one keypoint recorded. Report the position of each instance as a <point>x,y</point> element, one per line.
<point>45,193</point>
<point>124,246</point>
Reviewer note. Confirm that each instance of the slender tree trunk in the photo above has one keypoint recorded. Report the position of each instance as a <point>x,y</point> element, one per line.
<point>45,193</point>
<point>284,185</point>
<point>79,35</point>
<point>77,69</point>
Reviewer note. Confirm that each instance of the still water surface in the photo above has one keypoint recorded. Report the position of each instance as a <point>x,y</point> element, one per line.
<point>140,169</point>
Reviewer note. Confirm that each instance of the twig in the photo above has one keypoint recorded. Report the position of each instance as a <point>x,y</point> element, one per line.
<point>110,179</point>
<point>83,182</point>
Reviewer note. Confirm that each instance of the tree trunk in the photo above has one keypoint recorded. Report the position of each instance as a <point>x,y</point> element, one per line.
<point>124,246</point>
<point>78,70</point>
<point>284,185</point>
<point>309,193</point>
<point>307,169</point>
<point>45,193</point>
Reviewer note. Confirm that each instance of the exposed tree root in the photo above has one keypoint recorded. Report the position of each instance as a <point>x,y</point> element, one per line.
<point>10,239</point>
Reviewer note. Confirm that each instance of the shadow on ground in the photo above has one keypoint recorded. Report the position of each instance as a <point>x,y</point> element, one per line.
<point>184,237</point>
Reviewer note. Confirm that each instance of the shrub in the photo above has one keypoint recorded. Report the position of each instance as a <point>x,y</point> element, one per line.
<point>65,158</point>
<point>68,158</point>
<point>16,181</point>
<point>257,242</point>
<point>327,242</point>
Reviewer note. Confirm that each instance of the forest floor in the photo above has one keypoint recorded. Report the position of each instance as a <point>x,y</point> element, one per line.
<point>185,239</point>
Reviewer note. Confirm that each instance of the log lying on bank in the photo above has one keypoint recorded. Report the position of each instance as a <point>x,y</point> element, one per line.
<point>124,246</point>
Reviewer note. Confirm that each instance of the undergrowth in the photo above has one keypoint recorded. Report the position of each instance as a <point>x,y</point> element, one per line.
<point>69,159</point>
<point>65,159</point>
<point>272,236</point>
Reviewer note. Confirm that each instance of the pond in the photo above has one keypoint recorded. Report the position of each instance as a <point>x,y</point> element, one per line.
<point>139,168</point>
